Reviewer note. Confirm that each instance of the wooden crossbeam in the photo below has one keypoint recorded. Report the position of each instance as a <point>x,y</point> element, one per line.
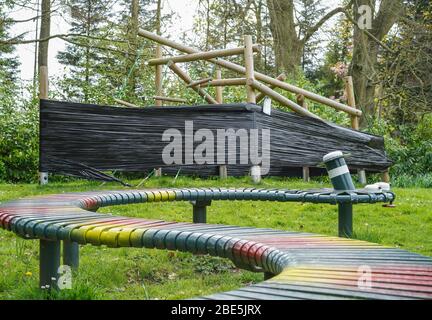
<point>225,82</point>
<point>199,82</point>
<point>125,103</point>
<point>261,96</point>
<point>186,78</point>
<point>169,99</point>
<point>281,99</point>
<point>201,56</point>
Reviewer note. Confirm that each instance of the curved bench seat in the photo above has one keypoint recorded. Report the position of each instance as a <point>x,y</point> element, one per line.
<point>305,266</point>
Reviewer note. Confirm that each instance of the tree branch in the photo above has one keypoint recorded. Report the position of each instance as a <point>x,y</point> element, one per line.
<point>96,47</point>
<point>16,41</point>
<point>311,31</point>
<point>369,34</point>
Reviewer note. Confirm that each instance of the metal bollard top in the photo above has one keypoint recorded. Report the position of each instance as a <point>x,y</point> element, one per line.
<point>333,156</point>
<point>338,171</point>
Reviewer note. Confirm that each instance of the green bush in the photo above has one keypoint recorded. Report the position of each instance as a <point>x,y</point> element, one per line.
<point>410,147</point>
<point>19,144</point>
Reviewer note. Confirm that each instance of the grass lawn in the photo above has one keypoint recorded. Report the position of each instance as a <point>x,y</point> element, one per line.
<point>149,274</point>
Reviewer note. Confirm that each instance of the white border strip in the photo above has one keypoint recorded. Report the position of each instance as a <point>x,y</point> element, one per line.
<point>338,172</point>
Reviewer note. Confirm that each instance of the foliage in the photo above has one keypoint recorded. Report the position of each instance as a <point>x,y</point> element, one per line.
<point>410,147</point>
<point>19,143</point>
<point>406,71</point>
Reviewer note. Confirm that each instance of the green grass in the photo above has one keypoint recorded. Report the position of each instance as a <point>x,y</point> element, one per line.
<point>149,274</point>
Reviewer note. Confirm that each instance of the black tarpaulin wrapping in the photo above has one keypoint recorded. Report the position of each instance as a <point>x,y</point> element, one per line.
<point>107,138</point>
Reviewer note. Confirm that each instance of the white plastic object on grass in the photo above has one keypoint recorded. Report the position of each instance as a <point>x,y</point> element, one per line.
<point>380,186</point>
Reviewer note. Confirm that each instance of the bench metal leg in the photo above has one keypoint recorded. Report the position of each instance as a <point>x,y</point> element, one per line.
<point>49,263</point>
<point>71,254</point>
<point>200,211</point>
<point>345,220</point>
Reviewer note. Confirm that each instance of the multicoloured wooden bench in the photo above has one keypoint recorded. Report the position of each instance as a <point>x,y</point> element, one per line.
<point>297,265</point>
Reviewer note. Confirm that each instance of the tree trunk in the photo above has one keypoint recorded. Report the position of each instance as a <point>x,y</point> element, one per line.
<point>45,30</point>
<point>35,59</point>
<point>365,54</point>
<point>259,64</point>
<point>87,53</point>
<point>287,46</point>
<point>133,47</point>
<point>159,17</point>
<point>208,26</point>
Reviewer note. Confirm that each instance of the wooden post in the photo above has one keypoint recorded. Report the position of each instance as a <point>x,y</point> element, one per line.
<point>159,75</point>
<point>250,69</point>
<point>43,94</point>
<point>386,177</point>
<point>219,90</point>
<point>251,97</point>
<point>301,101</point>
<point>223,169</point>
<point>349,89</point>
<point>158,172</point>
<point>158,78</point>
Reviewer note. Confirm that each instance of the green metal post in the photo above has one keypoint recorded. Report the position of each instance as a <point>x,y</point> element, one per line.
<point>200,211</point>
<point>345,220</point>
<point>341,179</point>
<point>71,254</point>
<point>49,263</point>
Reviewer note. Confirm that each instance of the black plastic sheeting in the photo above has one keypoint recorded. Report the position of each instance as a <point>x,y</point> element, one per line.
<point>82,139</point>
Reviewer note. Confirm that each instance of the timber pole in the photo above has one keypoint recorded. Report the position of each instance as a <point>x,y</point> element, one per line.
<point>158,77</point>
<point>250,91</point>
<point>283,100</point>
<point>201,56</point>
<point>188,80</point>
<point>349,89</point>
<point>301,101</point>
<point>223,169</point>
<point>261,96</point>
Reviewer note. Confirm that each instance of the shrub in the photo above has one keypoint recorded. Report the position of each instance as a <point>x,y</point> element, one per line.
<point>19,144</point>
